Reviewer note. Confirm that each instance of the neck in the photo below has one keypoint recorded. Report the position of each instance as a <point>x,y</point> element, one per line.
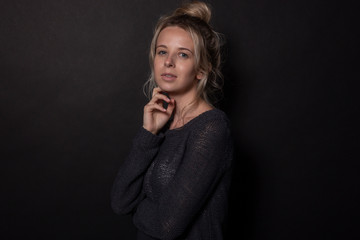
<point>187,107</point>
<point>184,103</point>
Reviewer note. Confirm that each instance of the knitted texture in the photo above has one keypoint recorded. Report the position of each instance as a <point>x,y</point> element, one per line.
<point>176,183</point>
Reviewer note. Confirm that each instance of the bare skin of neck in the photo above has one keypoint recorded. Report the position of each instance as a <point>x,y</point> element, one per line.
<point>185,111</point>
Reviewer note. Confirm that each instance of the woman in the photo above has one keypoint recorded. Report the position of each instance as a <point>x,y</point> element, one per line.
<point>176,178</point>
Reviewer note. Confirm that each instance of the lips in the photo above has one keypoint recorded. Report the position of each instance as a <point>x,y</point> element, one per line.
<point>168,76</point>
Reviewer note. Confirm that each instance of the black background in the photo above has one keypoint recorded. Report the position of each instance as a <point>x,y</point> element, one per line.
<point>71,100</point>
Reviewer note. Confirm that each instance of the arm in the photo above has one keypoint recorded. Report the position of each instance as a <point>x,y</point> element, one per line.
<point>127,188</point>
<point>202,167</point>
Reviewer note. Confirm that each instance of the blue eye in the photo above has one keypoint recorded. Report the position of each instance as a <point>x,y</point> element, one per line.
<point>161,52</point>
<point>183,55</point>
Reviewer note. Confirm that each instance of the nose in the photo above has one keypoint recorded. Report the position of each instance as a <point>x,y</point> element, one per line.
<point>169,62</point>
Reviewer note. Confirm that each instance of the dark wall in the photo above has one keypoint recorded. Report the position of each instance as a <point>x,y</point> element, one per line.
<point>71,100</point>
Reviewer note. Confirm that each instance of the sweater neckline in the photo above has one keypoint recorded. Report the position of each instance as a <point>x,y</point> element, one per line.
<point>189,123</point>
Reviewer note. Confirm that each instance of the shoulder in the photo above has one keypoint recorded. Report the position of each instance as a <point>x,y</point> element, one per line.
<point>212,117</point>
<point>212,122</point>
<point>210,135</point>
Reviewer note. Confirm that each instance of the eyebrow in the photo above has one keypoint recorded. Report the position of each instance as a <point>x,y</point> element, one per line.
<point>182,48</point>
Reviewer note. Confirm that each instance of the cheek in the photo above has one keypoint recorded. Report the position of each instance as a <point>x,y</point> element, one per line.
<point>156,65</point>
<point>189,71</point>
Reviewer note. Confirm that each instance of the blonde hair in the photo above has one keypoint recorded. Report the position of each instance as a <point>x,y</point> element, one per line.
<point>194,17</point>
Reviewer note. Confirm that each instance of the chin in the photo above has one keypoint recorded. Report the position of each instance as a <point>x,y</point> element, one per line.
<point>165,87</point>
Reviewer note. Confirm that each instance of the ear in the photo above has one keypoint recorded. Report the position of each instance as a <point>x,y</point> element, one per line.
<point>200,75</point>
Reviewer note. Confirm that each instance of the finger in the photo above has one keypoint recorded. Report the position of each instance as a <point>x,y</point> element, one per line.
<point>154,107</point>
<point>156,91</point>
<point>171,106</point>
<point>158,97</point>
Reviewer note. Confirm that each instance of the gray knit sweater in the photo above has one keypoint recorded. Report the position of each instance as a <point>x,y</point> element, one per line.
<point>176,183</point>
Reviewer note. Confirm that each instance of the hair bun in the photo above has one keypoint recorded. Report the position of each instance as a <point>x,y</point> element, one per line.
<point>195,9</point>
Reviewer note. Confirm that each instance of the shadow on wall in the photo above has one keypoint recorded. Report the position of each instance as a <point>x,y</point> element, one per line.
<point>242,192</point>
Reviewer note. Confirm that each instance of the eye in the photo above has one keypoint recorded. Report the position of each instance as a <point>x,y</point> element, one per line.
<point>183,55</point>
<point>161,52</point>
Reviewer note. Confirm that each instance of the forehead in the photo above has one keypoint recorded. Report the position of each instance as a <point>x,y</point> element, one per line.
<point>175,37</point>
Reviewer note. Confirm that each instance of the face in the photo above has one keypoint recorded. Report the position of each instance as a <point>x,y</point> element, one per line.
<point>174,62</point>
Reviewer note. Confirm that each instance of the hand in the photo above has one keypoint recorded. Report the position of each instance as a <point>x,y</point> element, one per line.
<point>155,115</point>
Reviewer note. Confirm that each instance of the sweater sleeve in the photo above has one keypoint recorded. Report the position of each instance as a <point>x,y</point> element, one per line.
<point>201,169</point>
<point>127,187</point>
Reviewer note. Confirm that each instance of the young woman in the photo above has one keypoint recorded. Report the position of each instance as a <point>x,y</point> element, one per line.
<point>176,178</point>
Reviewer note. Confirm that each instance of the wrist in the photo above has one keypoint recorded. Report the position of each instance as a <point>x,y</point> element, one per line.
<point>154,132</point>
